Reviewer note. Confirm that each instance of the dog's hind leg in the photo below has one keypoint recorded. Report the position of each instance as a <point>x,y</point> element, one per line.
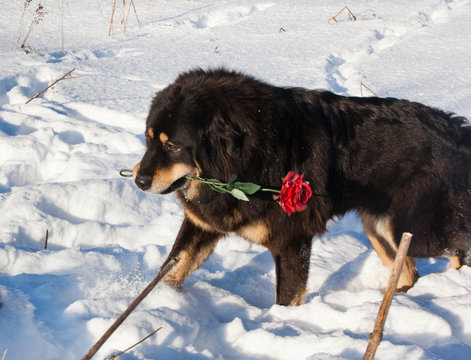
<point>192,247</point>
<point>381,236</point>
<point>292,269</point>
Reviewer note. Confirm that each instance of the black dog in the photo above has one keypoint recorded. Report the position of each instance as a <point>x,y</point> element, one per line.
<point>403,166</point>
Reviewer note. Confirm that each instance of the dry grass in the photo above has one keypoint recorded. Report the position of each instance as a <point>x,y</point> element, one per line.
<point>38,15</point>
<point>363,15</point>
<point>124,17</point>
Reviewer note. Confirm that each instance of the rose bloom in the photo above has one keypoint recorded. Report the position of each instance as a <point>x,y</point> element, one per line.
<point>294,193</point>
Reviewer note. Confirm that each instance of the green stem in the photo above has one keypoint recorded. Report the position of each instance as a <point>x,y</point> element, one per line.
<point>270,190</point>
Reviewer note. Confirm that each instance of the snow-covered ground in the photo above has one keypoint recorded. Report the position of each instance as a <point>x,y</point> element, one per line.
<point>60,155</point>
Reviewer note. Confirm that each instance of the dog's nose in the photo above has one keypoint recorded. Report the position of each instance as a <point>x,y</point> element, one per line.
<point>143,182</point>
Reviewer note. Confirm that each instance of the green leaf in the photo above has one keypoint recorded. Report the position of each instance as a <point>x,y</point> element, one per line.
<point>247,188</point>
<point>239,195</point>
<point>232,180</point>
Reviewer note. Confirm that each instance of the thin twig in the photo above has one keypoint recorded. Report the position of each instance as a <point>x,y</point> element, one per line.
<point>4,354</point>
<point>135,13</point>
<point>367,88</point>
<point>377,335</point>
<point>170,263</point>
<point>62,27</point>
<point>55,82</point>
<point>133,346</point>
<point>125,22</point>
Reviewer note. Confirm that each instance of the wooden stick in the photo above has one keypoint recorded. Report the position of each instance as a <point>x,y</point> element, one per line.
<point>47,237</point>
<point>163,271</point>
<point>377,335</point>
<point>55,82</point>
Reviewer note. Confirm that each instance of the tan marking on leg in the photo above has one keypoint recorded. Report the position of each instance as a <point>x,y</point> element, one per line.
<point>380,233</point>
<point>150,132</point>
<point>163,137</point>
<point>195,219</point>
<point>189,261</point>
<point>176,276</point>
<point>298,300</point>
<point>455,262</point>
<point>233,220</point>
<point>256,232</point>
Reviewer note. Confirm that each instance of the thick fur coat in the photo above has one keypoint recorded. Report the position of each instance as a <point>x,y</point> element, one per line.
<point>403,166</point>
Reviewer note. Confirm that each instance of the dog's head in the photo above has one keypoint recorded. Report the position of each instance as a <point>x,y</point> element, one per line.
<point>169,157</point>
<point>188,133</point>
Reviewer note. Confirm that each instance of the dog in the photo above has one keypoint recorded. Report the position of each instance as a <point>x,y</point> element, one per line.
<point>402,166</point>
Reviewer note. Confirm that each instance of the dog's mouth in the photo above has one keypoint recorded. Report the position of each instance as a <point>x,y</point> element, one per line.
<point>177,184</point>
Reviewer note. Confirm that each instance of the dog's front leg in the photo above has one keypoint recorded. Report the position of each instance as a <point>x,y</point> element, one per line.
<point>192,247</point>
<point>292,269</point>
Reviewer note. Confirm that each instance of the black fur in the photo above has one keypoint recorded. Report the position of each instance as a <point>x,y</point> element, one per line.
<point>401,165</point>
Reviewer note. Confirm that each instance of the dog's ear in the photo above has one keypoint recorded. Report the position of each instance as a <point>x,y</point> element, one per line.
<point>220,153</point>
<point>226,136</point>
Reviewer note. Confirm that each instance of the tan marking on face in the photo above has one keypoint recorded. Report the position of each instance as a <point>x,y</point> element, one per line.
<point>150,132</point>
<point>455,262</point>
<point>163,178</point>
<point>163,137</point>
<point>380,233</point>
<point>256,232</point>
<point>135,170</point>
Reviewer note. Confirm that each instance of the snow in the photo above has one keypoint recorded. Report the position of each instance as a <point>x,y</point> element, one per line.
<point>60,155</point>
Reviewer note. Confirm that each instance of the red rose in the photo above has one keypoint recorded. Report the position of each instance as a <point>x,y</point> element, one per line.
<point>294,193</point>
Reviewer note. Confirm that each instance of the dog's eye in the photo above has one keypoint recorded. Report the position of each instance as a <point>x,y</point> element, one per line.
<point>171,147</point>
